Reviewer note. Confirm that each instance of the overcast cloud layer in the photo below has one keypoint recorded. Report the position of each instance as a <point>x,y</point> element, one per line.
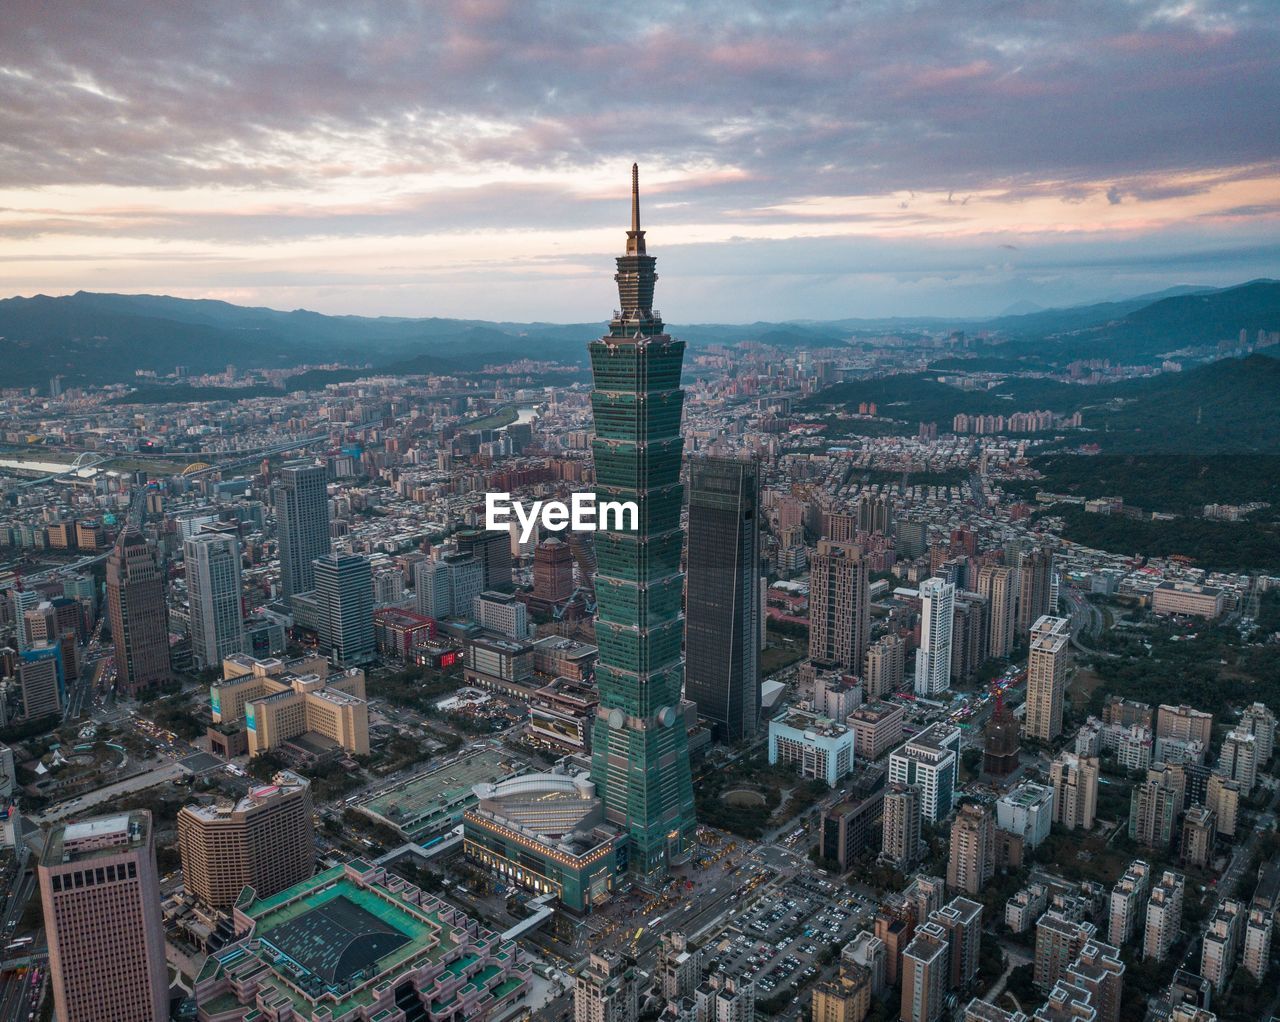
<point>806,160</point>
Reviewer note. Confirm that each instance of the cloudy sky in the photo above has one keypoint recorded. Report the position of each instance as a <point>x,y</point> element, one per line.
<point>798,160</point>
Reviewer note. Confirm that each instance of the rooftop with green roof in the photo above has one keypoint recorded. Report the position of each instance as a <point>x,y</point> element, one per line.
<point>351,943</point>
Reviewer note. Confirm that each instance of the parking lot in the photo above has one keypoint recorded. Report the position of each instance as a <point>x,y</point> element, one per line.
<point>780,941</point>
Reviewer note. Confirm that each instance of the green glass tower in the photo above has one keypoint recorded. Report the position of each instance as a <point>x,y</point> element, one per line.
<point>640,745</point>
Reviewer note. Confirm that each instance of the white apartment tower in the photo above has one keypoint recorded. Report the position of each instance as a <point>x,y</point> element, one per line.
<point>933,658</point>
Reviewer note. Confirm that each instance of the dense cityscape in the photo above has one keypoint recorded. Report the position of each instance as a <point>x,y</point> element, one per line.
<point>912,669</point>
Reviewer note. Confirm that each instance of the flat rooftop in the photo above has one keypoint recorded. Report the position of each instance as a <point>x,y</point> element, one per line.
<point>415,801</point>
<point>96,837</point>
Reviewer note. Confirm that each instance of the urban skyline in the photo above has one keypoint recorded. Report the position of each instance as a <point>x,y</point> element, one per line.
<point>930,673</point>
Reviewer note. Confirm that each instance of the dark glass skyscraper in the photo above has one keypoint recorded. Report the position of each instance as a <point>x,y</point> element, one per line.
<point>640,751</point>
<point>344,587</point>
<point>302,525</point>
<point>722,602</point>
<point>139,615</point>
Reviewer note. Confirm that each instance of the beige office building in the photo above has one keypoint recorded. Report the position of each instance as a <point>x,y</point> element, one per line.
<point>101,898</point>
<point>266,841</point>
<point>1187,599</point>
<point>278,701</point>
<point>877,729</point>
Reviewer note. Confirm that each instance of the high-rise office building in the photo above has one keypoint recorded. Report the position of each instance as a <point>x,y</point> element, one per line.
<point>640,744</point>
<point>933,658</point>
<point>448,585</point>
<point>605,989</point>
<point>1164,915</point>
<point>930,759</point>
<point>1075,790</point>
<point>971,860</point>
<point>722,602</point>
<point>138,614</point>
<point>1198,831</point>
<point>344,589</point>
<point>839,605</point>
<point>997,584</point>
<point>21,601</point>
<point>41,681</point>
<point>552,571</point>
<point>970,632</point>
<point>1047,677</point>
<point>502,613</point>
<point>213,586</point>
<point>493,551</point>
<point>885,669</point>
<point>302,525</point>
<point>1034,585</point>
<point>266,841</point>
<point>101,897</point>
<point>1222,797</point>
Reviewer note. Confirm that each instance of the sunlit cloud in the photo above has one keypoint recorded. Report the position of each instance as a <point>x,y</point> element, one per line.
<point>470,158</point>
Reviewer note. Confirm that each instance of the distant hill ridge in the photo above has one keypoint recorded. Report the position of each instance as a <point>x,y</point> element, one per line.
<point>106,338</point>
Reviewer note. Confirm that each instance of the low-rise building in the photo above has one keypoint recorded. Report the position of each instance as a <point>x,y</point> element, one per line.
<point>1187,599</point>
<point>1026,811</point>
<point>356,942</point>
<point>303,704</point>
<point>817,748</point>
<point>877,728</point>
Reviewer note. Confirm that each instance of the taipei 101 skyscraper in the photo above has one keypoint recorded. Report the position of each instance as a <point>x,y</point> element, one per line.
<point>640,745</point>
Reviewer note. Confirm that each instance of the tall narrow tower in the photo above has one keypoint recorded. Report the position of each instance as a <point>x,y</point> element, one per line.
<point>640,746</point>
<point>302,523</point>
<point>138,613</point>
<point>722,600</point>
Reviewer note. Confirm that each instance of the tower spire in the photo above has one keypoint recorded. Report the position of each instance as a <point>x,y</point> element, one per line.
<point>635,236</point>
<point>635,196</point>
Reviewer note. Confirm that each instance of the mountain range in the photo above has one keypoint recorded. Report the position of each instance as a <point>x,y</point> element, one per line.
<point>88,337</point>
